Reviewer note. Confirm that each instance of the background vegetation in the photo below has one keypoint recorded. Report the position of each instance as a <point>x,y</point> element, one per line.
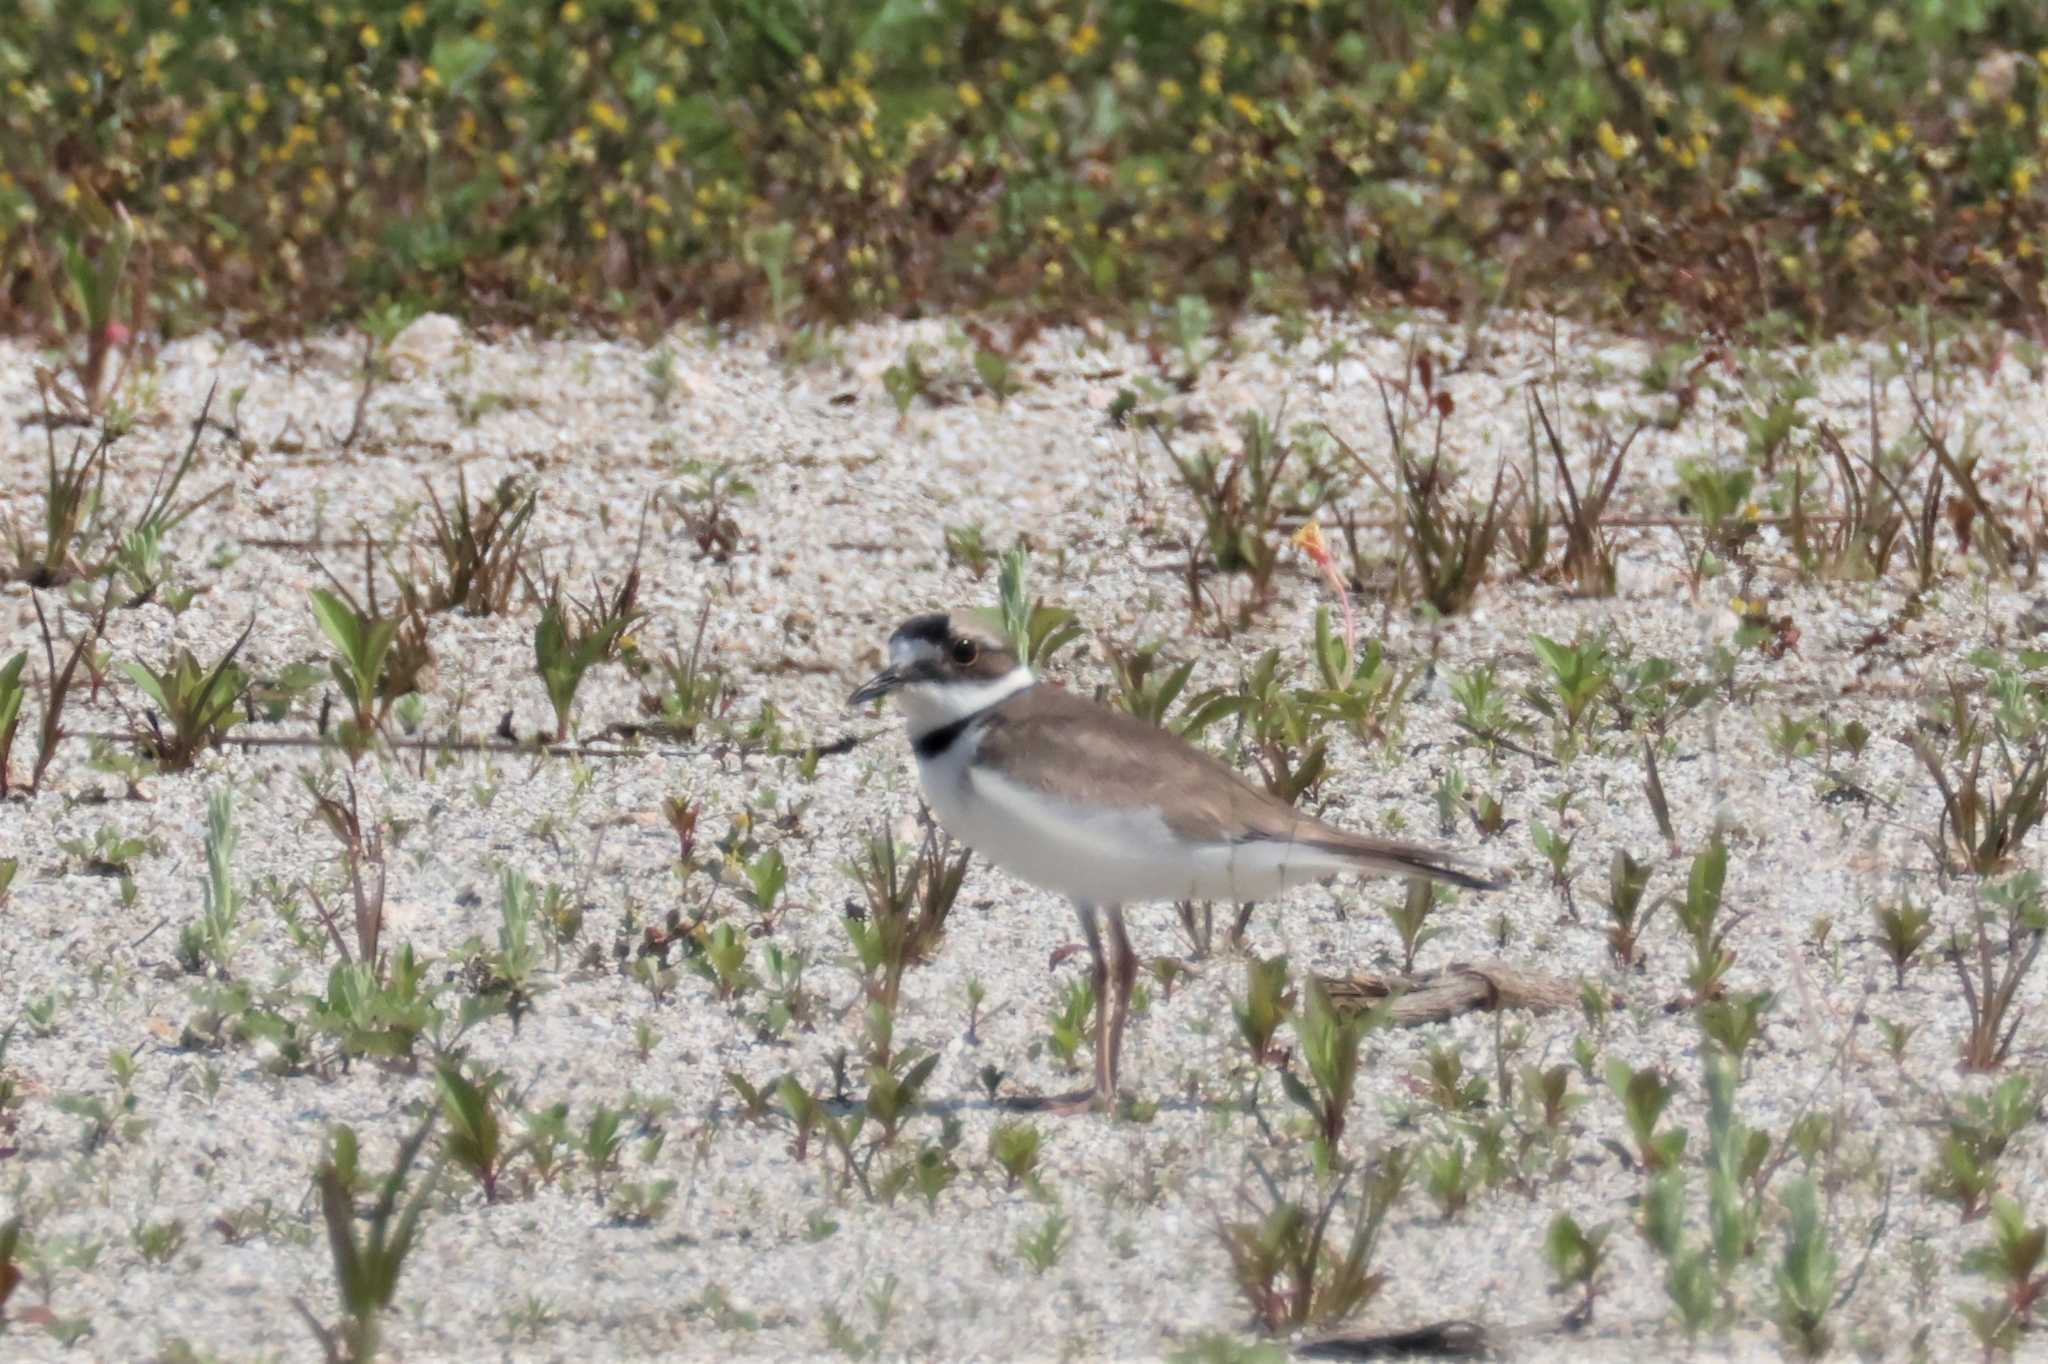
<point>1679,162</point>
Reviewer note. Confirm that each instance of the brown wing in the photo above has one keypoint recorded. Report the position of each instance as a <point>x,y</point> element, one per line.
<point>1069,747</point>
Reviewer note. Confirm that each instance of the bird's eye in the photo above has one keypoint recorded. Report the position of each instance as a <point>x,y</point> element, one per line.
<point>965,651</point>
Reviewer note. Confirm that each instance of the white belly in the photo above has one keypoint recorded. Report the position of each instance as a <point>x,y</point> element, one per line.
<point>1102,856</point>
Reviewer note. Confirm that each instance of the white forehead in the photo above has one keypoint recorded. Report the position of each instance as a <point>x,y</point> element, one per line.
<point>905,651</point>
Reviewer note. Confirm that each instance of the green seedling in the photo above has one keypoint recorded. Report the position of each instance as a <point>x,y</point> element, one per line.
<point>565,650</point>
<point>1557,851</point>
<point>1720,499</point>
<point>108,852</point>
<point>767,873</point>
<point>722,960</point>
<point>1627,879</point>
<point>12,694</point>
<point>1735,1162</point>
<point>1410,918</point>
<point>71,498</point>
<point>1036,632</point>
<point>1589,558</point>
<point>1070,1021</point>
<point>1482,703</point>
<point>221,903</point>
<point>1805,1276</point>
<point>1446,1083</point>
<point>1144,685</point>
<point>481,547</point>
<point>640,1203</point>
<point>2016,1260</point>
<point>363,644</point>
<point>1903,929</point>
<point>1578,1258</point>
<point>1014,1146</point>
<point>1448,540</point>
<point>367,1268</point>
<point>1266,1006</point>
<point>1985,817</point>
<point>1450,1176</point>
<point>1042,1246</point>
<point>906,914</point>
<point>1550,1091</point>
<point>1699,913</point>
<point>1992,963</point>
<point>1733,1023</point>
<point>1644,1096</point>
<point>604,1137</point>
<point>1328,1043</point>
<point>1244,497</point>
<point>369,1017</point>
<point>9,868</point>
<point>472,1138</point>
<point>1360,687</point>
<point>1979,1130</point>
<point>1580,674</point>
<point>1281,726</point>
<point>908,380</point>
<point>1288,1264</point>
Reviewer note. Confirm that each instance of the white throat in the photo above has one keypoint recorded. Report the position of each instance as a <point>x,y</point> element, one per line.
<point>934,705</point>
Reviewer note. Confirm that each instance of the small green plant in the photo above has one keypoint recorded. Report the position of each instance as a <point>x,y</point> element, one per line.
<point>1042,1246</point>
<point>1589,564</point>
<point>965,546</point>
<point>1984,817</point>
<point>367,1267</point>
<point>1578,1258</point>
<point>1978,1131</point>
<point>1805,1276</point>
<point>564,649</point>
<point>1580,674</point>
<point>472,1138</point>
<point>158,1242</point>
<point>1992,962</point>
<point>2017,1261</point>
<point>1281,726</point>
<point>1265,1007</point>
<point>1070,1021</point>
<point>363,643</point>
<point>1328,1042</point>
<point>1243,498</point>
<point>199,703</point>
<point>1699,913</point>
<point>722,960</point>
<point>1628,916</point>
<point>1644,1096</point>
<point>221,902</point>
<point>12,694</point>
<point>1903,929</point>
<point>1145,686</point>
<point>109,852</point>
<point>1036,632</point>
<point>1410,918</point>
<point>1014,1146</point>
<point>481,547</point>
<point>71,497</point>
<point>1293,1269</point>
<point>905,916</point>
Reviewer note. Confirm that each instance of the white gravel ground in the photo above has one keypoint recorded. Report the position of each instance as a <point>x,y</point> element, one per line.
<point>843,537</point>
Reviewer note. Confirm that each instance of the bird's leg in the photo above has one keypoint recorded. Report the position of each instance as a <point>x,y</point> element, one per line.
<point>1126,981</point>
<point>1105,1063</point>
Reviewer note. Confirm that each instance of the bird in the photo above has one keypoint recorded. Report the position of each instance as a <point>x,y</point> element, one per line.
<point>1100,806</point>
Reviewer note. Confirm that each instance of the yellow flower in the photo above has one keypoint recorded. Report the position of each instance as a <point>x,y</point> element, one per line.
<point>1532,37</point>
<point>969,96</point>
<point>571,12</point>
<point>1084,40</point>
<point>414,15</point>
<point>598,231</point>
<point>1246,110</point>
<point>1169,90</point>
<point>1617,147</point>
<point>368,36</point>
<point>1213,48</point>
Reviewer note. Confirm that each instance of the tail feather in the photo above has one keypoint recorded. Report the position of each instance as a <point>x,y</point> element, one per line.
<point>1407,859</point>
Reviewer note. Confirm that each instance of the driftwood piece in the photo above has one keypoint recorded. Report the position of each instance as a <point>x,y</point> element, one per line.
<point>1460,988</point>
